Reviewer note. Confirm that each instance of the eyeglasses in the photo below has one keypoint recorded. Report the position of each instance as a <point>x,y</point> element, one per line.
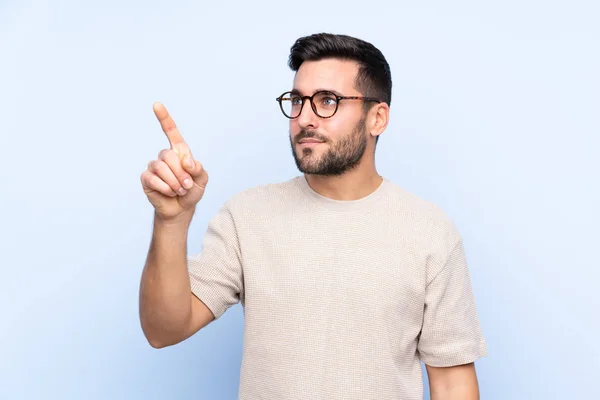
<point>323,103</point>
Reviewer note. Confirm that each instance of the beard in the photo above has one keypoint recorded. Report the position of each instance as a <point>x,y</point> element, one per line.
<point>340,157</point>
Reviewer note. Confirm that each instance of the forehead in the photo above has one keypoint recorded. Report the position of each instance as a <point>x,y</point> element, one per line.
<point>332,74</point>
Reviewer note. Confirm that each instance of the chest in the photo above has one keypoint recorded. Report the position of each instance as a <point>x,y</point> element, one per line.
<point>358,266</point>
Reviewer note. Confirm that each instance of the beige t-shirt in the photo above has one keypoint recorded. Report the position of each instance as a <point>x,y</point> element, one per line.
<point>342,299</point>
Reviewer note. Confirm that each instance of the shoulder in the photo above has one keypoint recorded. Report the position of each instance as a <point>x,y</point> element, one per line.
<point>264,196</point>
<point>426,218</point>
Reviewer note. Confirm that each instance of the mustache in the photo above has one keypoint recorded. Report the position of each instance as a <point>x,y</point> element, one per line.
<point>305,134</point>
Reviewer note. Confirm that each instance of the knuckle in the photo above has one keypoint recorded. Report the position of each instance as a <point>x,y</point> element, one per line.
<point>172,160</point>
<point>155,182</point>
<point>170,155</point>
<point>151,180</point>
<point>163,154</point>
<point>155,165</point>
<point>160,166</point>
<point>148,179</point>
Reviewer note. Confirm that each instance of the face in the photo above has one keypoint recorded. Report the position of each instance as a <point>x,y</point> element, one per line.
<point>328,146</point>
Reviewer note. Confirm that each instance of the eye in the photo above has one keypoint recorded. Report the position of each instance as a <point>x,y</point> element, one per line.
<point>329,101</point>
<point>326,100</point>
<point>296,100</point>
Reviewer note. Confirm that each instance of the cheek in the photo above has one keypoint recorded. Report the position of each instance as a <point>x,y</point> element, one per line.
<point>294,127</point>
<point>336,129</point>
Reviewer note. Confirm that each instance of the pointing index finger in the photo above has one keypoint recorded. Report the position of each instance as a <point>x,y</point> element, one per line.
<point>168,126</point>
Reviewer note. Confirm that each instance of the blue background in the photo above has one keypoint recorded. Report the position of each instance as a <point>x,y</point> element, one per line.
<point>495,117</point>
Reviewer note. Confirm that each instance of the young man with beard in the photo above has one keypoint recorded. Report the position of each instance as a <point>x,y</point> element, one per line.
<point>347,280</point>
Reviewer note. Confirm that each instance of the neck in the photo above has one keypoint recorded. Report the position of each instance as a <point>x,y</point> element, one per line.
<point>352,185</point>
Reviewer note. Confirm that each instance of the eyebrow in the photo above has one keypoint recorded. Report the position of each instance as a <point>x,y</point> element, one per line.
<point>296,91</point>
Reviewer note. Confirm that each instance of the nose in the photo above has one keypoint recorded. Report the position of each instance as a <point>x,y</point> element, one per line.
<point>307,118</point>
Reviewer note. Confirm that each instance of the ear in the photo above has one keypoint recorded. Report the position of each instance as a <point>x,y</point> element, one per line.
<point>379,117</point>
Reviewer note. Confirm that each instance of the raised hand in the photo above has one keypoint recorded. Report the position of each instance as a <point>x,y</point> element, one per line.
<point>174,183</point>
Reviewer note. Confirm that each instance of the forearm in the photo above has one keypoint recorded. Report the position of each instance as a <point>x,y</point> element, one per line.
<point>453,383</point>
<point>464,392</point>
<point>165,294</point>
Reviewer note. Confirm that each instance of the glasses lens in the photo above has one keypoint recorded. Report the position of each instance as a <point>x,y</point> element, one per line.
<point>291,104</point>
<point>325,103</point>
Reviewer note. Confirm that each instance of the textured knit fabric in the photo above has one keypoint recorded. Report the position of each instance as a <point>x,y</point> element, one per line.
<point>342,299</point>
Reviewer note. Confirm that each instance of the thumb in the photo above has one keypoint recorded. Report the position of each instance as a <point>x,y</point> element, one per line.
<point>196,170</point>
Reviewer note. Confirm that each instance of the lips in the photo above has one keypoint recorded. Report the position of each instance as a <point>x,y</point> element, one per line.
<point>302,141</point>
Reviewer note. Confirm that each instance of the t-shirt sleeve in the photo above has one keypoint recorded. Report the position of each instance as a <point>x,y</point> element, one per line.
<point>216,271</point>
<point>451,333</point>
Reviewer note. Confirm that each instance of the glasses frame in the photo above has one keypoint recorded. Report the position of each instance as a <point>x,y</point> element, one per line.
<point>312,104</point>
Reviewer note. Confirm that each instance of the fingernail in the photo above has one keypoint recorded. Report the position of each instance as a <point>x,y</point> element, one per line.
<point>190,162</point>
<point>187,183</point>
<point>182,191</point>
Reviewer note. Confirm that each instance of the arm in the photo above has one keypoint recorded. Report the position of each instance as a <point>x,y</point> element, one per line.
<point>453,383</point>
<point>174,183</point>
<point>169,312</point>
<point>451,338</point>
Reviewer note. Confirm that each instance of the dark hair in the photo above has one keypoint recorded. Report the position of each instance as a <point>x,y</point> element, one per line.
<point>374,78</point>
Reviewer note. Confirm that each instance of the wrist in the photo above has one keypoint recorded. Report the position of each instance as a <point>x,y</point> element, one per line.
<point>181,221</point>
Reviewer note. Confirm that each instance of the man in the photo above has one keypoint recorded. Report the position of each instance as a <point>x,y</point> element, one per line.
<point>347,280</point>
